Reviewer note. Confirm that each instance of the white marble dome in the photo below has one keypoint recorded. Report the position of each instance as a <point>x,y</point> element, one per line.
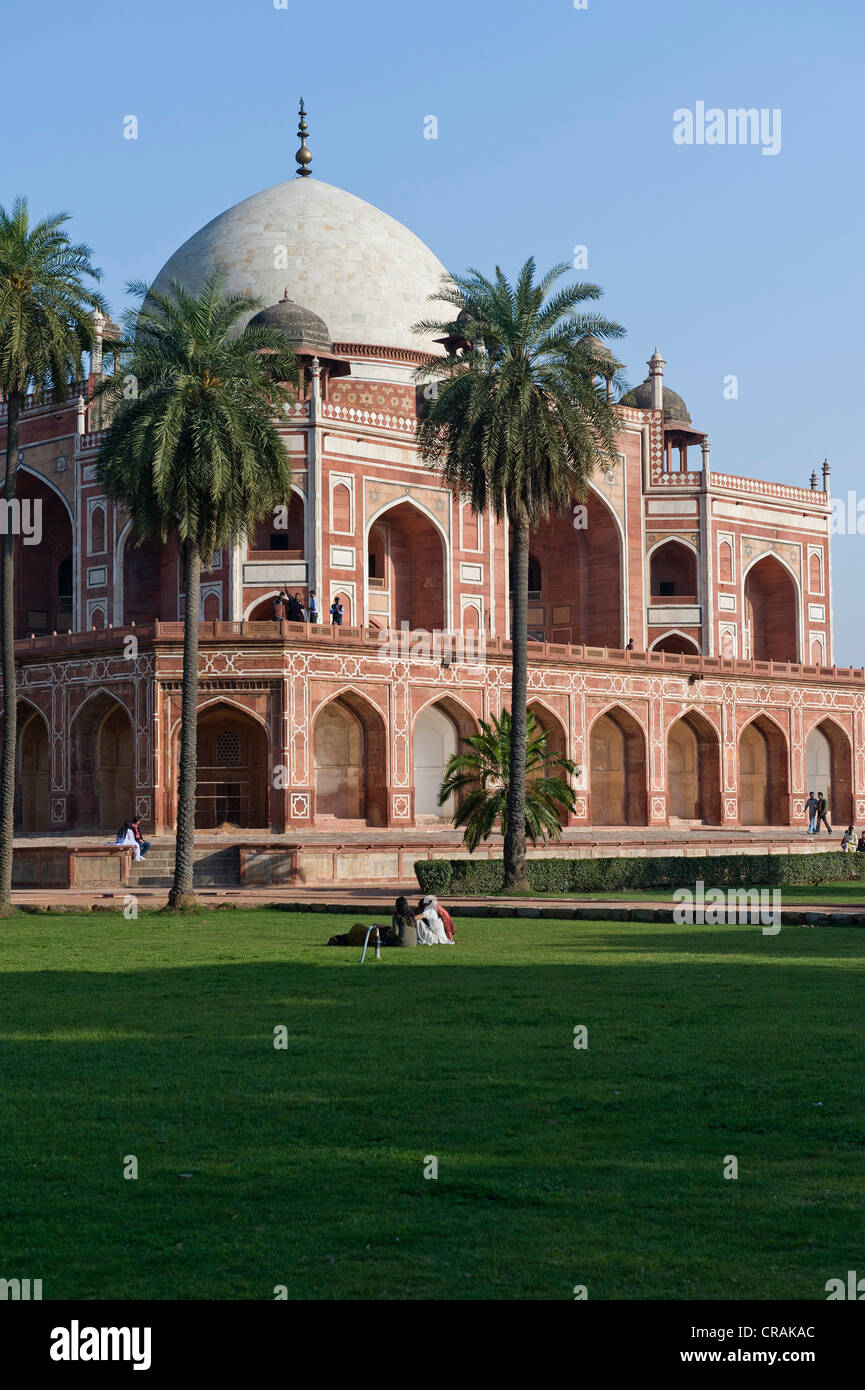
<point>364,273</point>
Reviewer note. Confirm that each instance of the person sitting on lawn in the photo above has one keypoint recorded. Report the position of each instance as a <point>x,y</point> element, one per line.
<point>403,927</point>
<point>355,936</point>
<point>848,840</point>
<point>430,927</point>
<point>860,848</point>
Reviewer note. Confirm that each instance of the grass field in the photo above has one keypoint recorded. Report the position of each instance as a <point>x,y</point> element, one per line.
<point>556,1166</point>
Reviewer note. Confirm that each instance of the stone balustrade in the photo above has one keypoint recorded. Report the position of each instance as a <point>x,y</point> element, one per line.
<point>321,636</point>
<point>729,483</point>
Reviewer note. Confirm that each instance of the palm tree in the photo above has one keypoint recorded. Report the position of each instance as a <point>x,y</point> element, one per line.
<point>45,326</point>
<point>482,777</point>
<point>518,422</point>
<point>192,449</point>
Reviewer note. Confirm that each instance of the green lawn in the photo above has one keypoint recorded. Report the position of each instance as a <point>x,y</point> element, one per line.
<point>557,1167</point>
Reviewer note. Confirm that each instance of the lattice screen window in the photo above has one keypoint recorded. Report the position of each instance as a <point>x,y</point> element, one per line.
<point>227,748</point>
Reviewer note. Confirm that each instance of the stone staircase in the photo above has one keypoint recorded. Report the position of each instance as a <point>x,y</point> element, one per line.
<point>212,868</point>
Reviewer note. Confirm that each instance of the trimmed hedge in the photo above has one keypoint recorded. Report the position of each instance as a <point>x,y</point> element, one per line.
<point>486,876</point>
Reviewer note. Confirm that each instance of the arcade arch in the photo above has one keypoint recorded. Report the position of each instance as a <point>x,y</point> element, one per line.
<point>102,768</point>
<point>617,770</point>
<point>550,724</point>
<point>43,594</point>
<point>673,572</point>
<point>772,611</point>
<point>829,769</point>
<point>763,774</point>
<point>406,569</point>
<point>232,780</point>
<point>694,770</point>
<point>33,793</point>
<point>350,758</point>
<point>580,585</point>
<point>440,730</point>
<point>675,642</point>
<point>281,532</point>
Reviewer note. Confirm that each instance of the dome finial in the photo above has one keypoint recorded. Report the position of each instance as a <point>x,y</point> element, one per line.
<point>303,156</point>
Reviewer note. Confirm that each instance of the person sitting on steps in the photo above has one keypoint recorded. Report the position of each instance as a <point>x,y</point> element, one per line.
<point>143,845</point>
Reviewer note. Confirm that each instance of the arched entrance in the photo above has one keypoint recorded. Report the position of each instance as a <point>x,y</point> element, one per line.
<point>440,731</point>
<point>150,582</point>
<point>282,531</point>
<point>43,572</point>
<point>673,572</point>
<point>617,763</point>
<point>577,571</point>
<point>102,777</point>
<point>557,739</point>
<point>693,771</point>
<point>771,611</point>
<point>350,755</point>
<point>34,771</point>
<point>763,777</point>
<point>405,570</point>
<point>114,772</point>
<point>435,743</point>
<point>829,769</point>
<point>232,779</point>
<point>676,642</point>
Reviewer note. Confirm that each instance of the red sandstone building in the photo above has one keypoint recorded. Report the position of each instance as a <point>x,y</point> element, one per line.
<point>727,710</point>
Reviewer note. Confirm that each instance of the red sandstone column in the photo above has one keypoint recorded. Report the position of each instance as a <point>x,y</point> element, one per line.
<point>729,763</point>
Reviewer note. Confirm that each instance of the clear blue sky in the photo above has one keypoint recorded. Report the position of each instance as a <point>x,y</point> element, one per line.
<point>554,129</point>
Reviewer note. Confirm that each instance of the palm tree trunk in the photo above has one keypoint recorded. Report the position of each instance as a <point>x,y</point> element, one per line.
<point>182,894</point>
<point>7,623</point>
<point>515,837</point>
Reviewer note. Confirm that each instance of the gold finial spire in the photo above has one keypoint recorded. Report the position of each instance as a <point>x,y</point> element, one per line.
<point>303,156</point>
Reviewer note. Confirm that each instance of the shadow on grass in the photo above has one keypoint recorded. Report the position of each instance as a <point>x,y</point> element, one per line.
<point>556,1165</point>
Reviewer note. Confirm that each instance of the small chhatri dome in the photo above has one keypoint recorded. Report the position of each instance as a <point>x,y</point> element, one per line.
<point>301,327</point>
<point>593,344</point>
<point>640,398</point>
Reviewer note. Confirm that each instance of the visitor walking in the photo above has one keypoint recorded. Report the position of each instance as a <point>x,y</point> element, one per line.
<point>822,814</point>
<point>336,612</point>
<point>811,808</point>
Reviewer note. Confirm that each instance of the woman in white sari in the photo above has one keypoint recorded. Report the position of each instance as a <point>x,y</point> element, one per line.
<point>126,836</point>
<point>430,927</point>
